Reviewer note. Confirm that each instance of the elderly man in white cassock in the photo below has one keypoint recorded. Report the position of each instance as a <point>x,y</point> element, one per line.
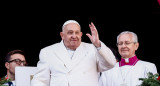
<point>72,62</point>
<point>127,71</point>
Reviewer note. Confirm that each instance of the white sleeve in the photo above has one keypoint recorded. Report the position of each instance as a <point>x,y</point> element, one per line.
<point>42,76</point>
<point>106,58</point>
<point>151,68</point>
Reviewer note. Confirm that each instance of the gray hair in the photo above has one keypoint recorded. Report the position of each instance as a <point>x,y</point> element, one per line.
<point>135,38</point>
<point>68,22</point>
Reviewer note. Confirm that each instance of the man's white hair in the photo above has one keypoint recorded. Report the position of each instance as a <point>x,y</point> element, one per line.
<point>135,38</point>
<point>68,22</point>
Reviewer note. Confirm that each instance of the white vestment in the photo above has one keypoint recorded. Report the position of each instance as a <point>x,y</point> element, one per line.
<point>57,68</point>
<point>127,74</point>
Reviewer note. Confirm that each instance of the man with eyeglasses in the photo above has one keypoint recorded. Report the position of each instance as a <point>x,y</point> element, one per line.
<point>13,59</point>
<point>129,69</point>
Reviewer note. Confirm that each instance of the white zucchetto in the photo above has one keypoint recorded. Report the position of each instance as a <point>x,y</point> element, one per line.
<point>70,21</point>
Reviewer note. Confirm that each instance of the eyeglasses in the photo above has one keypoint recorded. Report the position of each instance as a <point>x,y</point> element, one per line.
<point>18,61</point>
<point>125,43</point>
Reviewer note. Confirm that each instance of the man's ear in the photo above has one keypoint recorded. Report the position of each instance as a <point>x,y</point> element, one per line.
<point>61,34</point>
<point>81,34</point>
<point>7,65</point>
<point>137,45</point>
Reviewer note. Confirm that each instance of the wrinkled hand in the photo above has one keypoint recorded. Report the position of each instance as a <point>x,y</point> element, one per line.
<point>94,37</point>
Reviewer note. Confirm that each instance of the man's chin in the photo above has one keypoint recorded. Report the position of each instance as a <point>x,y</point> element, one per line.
<point>74,45</point>
<point>124,55</point>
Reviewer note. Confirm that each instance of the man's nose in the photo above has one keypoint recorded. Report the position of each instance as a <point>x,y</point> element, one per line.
<point>123,45</point>
<point>74,35</point>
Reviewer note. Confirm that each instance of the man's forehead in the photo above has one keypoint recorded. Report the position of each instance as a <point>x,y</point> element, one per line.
<point>17,55</point>
<point>72,26</point>
<point>125,37</point>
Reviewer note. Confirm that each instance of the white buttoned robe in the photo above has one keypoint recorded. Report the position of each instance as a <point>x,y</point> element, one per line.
<point>55,68</point>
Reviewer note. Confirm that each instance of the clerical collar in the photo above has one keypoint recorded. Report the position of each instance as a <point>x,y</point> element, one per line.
<point>128,61</point>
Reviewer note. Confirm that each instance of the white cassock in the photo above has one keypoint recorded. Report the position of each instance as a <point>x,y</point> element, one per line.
<point>58,66</point>
<point>127,75</point>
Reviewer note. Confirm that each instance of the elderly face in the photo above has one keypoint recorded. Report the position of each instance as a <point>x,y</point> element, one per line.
<point>71,35</point>
<point>127,46</point>
<point>11,65</point>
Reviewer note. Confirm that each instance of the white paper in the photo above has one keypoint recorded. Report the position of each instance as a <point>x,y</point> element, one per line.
<point>23,75</point>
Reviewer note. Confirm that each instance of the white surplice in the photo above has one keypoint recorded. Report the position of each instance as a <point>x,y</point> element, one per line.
<point>127,74</point>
